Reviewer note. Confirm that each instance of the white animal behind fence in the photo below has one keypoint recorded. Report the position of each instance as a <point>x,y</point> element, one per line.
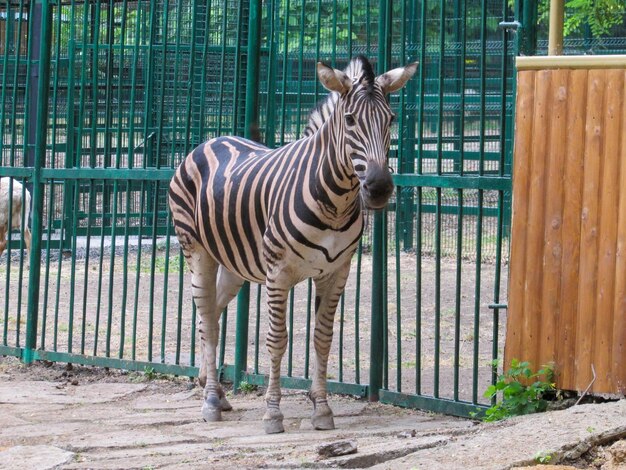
<point>19,198</point>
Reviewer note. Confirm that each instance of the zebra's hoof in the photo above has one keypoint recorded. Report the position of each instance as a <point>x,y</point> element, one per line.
<point>226,406</point>
<point>324,422</point>
<point>211,413</point>
<point>273,426</point>
<point>273,422</point>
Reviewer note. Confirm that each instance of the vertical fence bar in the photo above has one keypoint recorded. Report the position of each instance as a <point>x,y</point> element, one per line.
<point>257,329</point>
<point>503,213</point>
<point>437,338</point>
<point>307,341</point>
<point>357,297</point>
<point>252,97</point>
<point>527,37</point>
<point>291,333</point>
<point>440,131</point>
<point>459,280</point>
<point>408,126</point>
<point>378,236</point>
<point>34,275</point>
<point>476,352</point>
<point>283,97</point>
<point>223,330</point>
<point>270,130</point>
<point>33,48</point>
<point>398,226</point>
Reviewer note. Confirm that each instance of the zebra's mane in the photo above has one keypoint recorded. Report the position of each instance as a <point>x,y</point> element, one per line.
<point>359,70</point>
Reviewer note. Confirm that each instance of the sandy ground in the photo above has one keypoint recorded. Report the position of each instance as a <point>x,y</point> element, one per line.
<point>80,418</point>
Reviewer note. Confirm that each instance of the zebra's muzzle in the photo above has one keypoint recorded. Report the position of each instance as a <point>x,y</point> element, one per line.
<point>377,187</point>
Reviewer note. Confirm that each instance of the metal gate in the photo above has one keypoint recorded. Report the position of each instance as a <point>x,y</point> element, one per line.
<point>130,87</point>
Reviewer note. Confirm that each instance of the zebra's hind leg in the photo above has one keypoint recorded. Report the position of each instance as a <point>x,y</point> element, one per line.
<point>228,284</point>
<point>203,287</point>
<point>328,291</point>
<point>276,345</point>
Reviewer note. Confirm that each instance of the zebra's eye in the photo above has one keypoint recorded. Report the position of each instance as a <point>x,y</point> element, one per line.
<point>393,119</point>
<point>350,119</point>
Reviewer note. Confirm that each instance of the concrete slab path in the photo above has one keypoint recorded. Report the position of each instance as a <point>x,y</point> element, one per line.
<point>101,425</point>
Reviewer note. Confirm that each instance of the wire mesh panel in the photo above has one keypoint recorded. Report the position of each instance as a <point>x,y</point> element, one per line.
<point>134,86</point>
<point>446,238</point>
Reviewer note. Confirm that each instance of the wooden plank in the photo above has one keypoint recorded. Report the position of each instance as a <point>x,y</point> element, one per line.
<point>609,199</point>
<point>588,274</point>
<point>553,222</point>
<point>618,356</point>
<point>573,178</point>
<point>521,174</point>
<point>586,62</point>
<point>535,222</point>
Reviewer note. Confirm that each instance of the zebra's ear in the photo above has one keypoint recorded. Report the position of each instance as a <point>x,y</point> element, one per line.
<point>333,79</point>
<point>396,78</point>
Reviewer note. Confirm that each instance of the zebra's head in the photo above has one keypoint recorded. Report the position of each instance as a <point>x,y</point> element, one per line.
<point>359,103</point>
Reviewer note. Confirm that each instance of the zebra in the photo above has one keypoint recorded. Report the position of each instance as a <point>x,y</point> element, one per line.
<point>244,212</point>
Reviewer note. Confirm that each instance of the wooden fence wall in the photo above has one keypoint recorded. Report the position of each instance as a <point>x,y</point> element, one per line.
<point>567,284</point>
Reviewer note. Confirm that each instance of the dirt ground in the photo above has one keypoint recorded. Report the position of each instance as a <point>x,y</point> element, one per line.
<point>54,416</point>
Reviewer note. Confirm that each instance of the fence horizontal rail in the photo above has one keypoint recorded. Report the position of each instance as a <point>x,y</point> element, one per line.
<point>437,405</point>
<point>117,363</point>
<point>457,182</point>
<point>300,383</point>
<point>143,174</point>
<point>14,172</point>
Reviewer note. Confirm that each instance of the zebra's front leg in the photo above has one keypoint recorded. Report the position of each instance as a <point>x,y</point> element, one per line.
<point>276,344</point>
<point>328,290</point>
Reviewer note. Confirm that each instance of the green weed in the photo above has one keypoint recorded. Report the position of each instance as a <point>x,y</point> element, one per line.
<point>150,373</point>
<point>543,457</point>
<point>247,387</point>
<point>517,398</point>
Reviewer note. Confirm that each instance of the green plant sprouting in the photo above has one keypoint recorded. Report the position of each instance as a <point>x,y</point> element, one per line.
<point>518,398</point>
<point>247,387</point>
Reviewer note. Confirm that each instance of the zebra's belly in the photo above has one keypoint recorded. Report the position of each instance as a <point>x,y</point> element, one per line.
<point>323,256</point>
<point>247,264</point>
<point>317,265</point>
<point>294,265</point>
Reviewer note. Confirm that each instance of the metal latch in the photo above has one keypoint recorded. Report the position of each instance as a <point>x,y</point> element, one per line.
<point>510,25</point>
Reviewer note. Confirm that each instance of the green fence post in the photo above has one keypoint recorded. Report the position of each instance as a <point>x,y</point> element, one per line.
<point>526,12</point>
<point>38,186</point>
<point>252,98</point>
<point>378,235</point>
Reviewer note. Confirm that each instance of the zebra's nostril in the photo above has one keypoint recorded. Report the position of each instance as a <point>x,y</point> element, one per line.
<point>379,190</point>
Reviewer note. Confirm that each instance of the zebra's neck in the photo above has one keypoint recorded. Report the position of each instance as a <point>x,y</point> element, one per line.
<point>336,184</point>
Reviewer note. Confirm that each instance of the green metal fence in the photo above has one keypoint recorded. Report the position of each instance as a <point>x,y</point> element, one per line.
<point>101,100</point>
